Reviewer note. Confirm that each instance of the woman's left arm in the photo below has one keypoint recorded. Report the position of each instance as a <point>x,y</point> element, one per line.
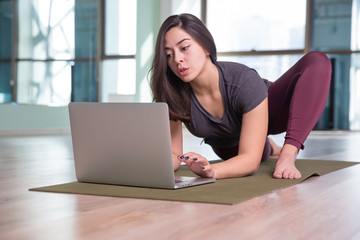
<point>251,145</point>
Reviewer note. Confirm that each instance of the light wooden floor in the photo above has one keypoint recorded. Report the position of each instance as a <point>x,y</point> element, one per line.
<point>326,207</point>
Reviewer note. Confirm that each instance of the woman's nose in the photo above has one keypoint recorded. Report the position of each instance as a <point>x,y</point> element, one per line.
<point>178,58</point>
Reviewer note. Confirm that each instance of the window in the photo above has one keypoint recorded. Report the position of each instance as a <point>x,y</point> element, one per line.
<point>269,67</point>
<point>354,114</point>
<point>6,16</point>
<point>119,65</point>
<point>56,51</point>
<point>44,82</point>
<point>270,36</point>
<point>267,38</point>
<point>186,6</point>
<point>57,48</point>
<point>242,25</point>
<point>355,68</point>
<point>46,29</point>
<point>355,26</point>
<point>120,27</point>
<point>61,48</point>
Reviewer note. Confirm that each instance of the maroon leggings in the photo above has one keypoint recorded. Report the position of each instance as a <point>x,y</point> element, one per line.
<point>296,102</point>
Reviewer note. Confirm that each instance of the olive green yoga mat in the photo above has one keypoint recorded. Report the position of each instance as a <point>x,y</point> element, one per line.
<point>225,191</point>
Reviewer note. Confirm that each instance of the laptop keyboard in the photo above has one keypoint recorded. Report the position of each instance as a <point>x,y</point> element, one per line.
<point>179,181</point>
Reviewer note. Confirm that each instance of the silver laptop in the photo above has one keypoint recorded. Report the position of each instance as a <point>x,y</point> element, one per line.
<point>125,144</point>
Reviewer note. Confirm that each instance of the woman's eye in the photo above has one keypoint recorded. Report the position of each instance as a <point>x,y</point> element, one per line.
<point>168,55</point>
<point>185,48</point>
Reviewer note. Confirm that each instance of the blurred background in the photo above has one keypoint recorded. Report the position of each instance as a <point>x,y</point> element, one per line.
<point>53,52</point>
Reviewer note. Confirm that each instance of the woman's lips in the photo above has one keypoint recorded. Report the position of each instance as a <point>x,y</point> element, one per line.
<point>183,71</point>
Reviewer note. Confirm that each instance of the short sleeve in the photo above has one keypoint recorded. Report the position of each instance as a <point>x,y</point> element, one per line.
<point>250,92</point>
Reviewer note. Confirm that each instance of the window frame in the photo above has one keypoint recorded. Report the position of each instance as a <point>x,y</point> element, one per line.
<point>98,59</point>
<point>307,47</point>
<point>101,48</point>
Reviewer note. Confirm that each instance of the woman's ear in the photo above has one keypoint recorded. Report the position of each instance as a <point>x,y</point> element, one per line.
<point>207,52</point>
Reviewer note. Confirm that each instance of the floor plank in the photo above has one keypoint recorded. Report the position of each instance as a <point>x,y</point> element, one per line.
<point>325,207</point>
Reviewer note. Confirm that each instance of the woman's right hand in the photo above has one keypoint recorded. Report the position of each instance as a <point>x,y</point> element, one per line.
<point>197,164</point>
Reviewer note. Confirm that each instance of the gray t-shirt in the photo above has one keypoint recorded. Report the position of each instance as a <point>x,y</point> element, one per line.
<point>242,89</point>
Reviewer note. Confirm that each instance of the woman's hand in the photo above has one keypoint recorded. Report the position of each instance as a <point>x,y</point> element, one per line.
<point>197,164</point>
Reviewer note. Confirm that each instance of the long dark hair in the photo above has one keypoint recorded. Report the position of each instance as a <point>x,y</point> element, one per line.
<point>165,85</point>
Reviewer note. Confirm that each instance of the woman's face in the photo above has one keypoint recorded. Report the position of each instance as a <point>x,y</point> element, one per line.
<point>185,57</point>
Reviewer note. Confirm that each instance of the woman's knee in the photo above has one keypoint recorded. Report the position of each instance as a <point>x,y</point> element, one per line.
<point>319,60</point>
<point>318,67</point>
<point>267,150</point>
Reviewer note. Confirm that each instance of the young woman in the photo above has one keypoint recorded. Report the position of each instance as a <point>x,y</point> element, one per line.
<point>230,105</point>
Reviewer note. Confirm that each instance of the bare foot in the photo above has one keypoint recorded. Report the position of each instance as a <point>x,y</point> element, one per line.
<point>285,165</point>
<point>275,148</point>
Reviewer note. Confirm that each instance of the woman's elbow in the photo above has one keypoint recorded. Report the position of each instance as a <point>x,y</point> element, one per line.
<point>243,172</point>
<point>252,168</point>
<point>246,167</point>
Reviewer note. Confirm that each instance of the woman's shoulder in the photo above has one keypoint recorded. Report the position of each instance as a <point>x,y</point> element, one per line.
<point>233,66</point>
<point>233,72</point>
